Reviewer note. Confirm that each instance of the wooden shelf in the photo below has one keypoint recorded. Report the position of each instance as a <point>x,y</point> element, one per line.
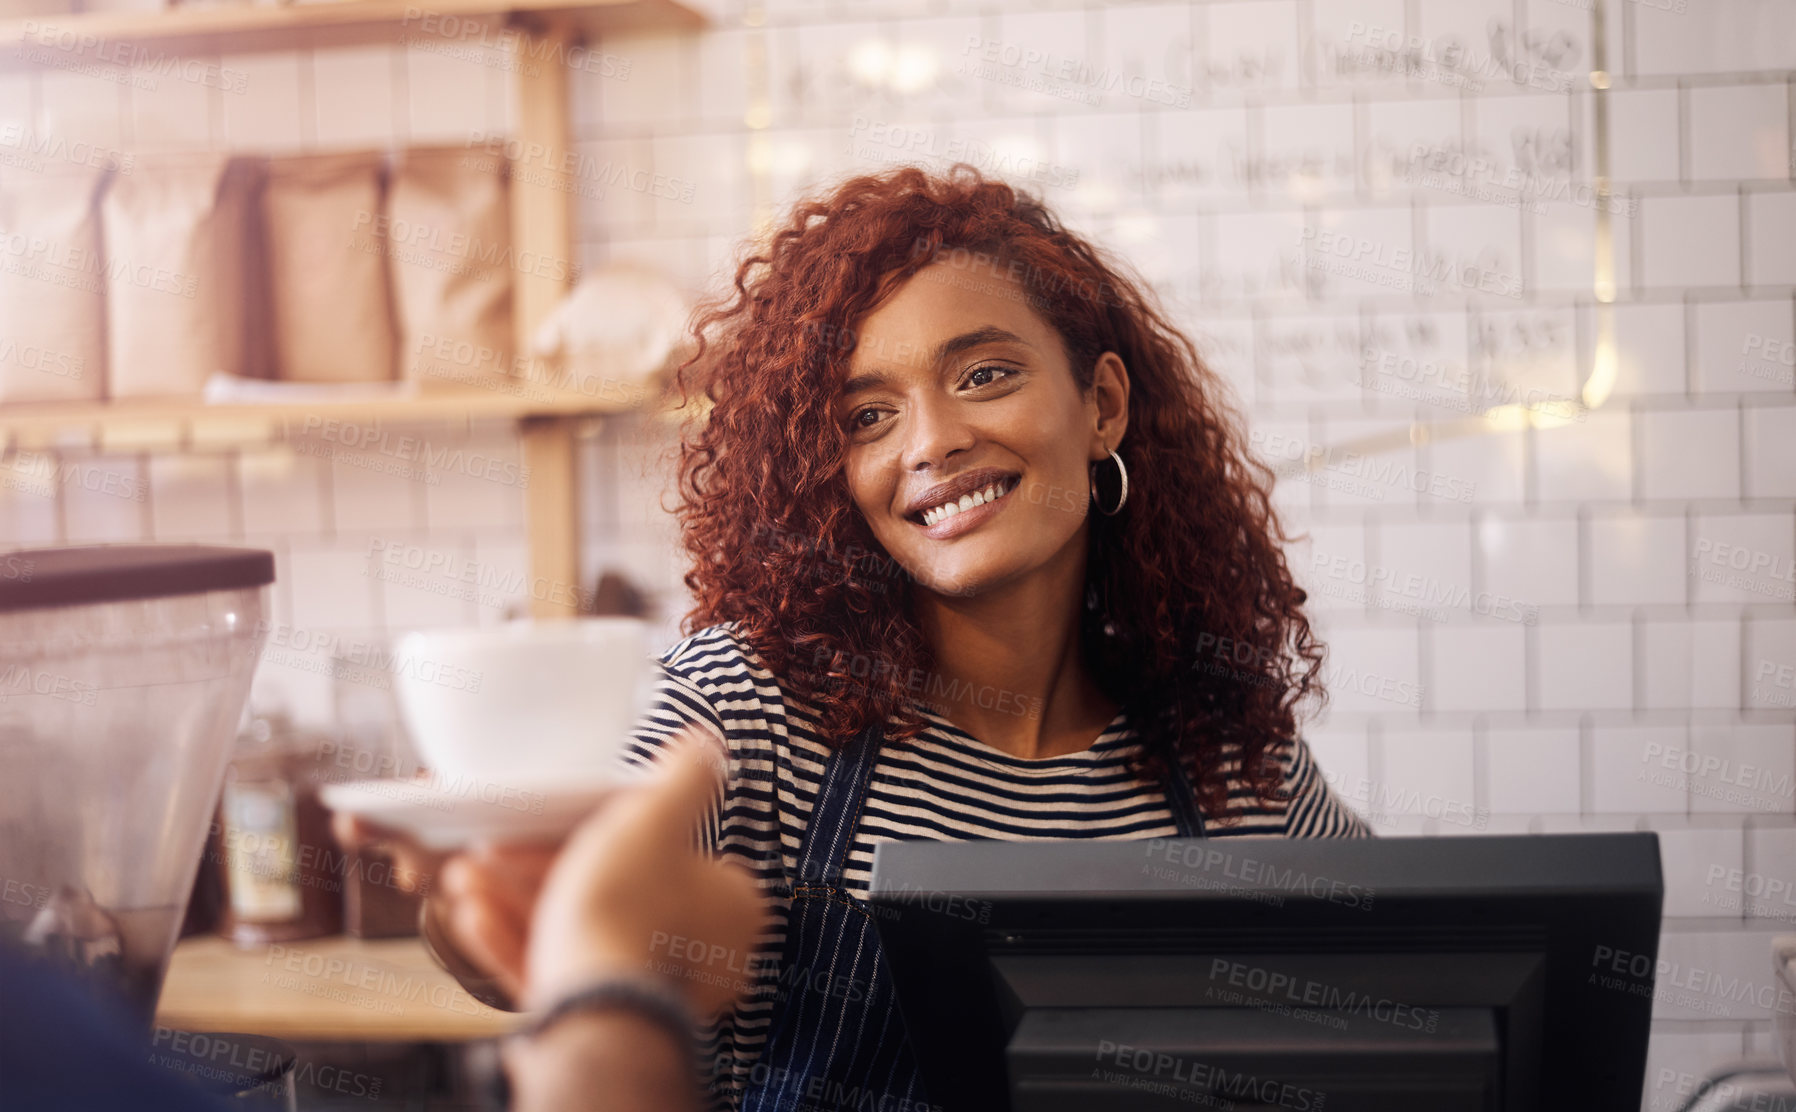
<point>69,40</point>
<point>332,989</point>
<point>189,422</point>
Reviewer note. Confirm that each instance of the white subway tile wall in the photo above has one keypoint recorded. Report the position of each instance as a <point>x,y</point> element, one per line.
<point>1560,625</point>
<point>355,100</point>
<point>1531,771</point>
<point>1634,558</point>
<point>267,113</point>
<point>191,497</point>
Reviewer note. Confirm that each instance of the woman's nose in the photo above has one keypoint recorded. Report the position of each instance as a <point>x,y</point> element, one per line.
<point>936,429</point>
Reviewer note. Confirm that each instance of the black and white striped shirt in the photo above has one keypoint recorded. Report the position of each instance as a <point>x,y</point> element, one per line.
<point>945,784</point>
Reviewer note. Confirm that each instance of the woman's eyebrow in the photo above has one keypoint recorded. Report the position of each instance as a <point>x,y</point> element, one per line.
<point>947,349</point>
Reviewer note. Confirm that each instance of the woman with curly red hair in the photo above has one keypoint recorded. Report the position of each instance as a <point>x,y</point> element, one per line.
<point>977,552</point>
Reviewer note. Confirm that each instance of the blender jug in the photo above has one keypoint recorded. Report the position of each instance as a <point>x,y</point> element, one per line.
<point>124,670</point>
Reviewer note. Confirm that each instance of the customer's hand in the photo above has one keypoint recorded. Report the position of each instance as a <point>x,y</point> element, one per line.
<point>478,899</point>
<point>631,894</point>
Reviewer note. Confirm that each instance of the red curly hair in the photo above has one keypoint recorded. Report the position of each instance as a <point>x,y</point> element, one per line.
<point>1193,623</point>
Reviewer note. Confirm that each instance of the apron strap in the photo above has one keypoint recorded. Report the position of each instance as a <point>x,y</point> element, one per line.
<point>829,835</point>
<point>1183,800</point>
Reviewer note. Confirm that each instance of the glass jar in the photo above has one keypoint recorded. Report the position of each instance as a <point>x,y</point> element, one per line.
<point>282,872</point>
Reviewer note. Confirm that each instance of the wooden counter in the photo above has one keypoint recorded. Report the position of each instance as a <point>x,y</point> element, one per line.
<point>325,989</point>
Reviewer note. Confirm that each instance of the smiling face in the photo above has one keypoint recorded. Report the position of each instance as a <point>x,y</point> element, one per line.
<point>955,394</point>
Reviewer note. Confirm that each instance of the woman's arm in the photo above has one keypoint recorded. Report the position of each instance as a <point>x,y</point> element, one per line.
<point>1315,809</point>
<point>679,702</point>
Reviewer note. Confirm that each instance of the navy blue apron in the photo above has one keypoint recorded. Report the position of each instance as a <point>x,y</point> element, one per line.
<point>836,1038</point>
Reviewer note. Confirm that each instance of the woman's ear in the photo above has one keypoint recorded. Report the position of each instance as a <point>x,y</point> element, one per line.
<point>1110,387</point>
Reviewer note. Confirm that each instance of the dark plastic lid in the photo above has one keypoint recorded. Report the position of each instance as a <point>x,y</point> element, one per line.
<point>32,578</point>
<point>223,1063</point>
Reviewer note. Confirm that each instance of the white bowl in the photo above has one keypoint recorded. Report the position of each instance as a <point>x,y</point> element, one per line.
<point>524,698</point>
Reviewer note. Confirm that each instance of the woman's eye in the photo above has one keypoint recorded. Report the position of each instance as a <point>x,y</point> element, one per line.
<point>867,417</point>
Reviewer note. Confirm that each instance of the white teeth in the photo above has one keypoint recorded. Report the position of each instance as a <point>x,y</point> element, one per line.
<point>967,501</point>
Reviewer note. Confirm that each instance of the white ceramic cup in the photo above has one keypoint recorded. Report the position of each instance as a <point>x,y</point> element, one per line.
<point>524,700</point>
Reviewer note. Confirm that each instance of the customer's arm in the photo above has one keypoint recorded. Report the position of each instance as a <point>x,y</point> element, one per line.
<point>611,1060</point>
<point>632,900</point>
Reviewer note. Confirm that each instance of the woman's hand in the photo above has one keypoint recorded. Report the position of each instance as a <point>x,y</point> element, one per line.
<point>480,899</point>
<point>630,894</point>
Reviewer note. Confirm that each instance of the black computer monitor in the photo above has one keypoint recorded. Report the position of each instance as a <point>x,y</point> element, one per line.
<point>1394,974</point>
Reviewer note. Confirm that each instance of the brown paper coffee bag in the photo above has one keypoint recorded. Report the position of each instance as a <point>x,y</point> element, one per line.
<point>52,285</point>
<point>330,318</point>
<point>180,284</point>
<point>448,234</point>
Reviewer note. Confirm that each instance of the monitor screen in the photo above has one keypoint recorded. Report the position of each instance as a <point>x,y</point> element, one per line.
<point>1487,973</point>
